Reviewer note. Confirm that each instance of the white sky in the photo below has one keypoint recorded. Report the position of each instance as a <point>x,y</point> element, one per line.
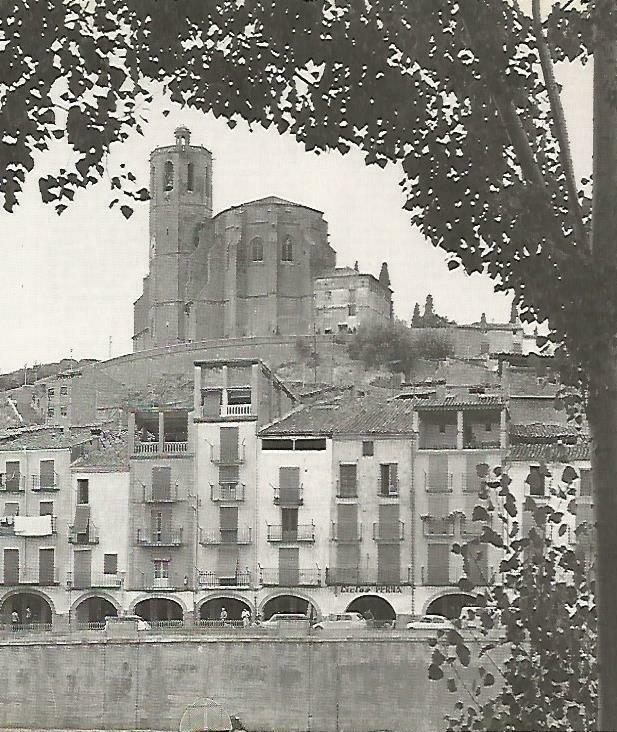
<point>69,282</point>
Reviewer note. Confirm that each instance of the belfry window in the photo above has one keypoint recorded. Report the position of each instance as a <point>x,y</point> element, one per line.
<point>190,175</point>
<point>257,249</point>
<point>168,176</point>
<point>287,253</point>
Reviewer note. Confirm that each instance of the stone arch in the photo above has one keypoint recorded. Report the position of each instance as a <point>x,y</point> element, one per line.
<point>41,605</point>
<point>372,605</point>
<point>159,605</point>
<point>94,607</point>
<point>288,602</point>
<point>449,603</point>
<point>210,608</point>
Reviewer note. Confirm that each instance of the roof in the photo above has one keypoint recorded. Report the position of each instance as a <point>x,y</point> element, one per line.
<point>47,438</point>
<point>112,453</point>
<point>347,272</point>
<point>551,453</point>
<point>269,201</point>
<point>543,433</point>
<point>466,402</point>
<point>350,416</point>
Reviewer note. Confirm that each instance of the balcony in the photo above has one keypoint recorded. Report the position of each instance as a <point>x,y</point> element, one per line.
<point>45,483</point>
<point>475,444</point>
<point>302,533</point>
<point>355,576</point>
<point>278,577</point>
<point>289,498</point>
<point>152,581</point>
<point>217,537</point>
<point>345,534</point>
<point>31,576</point>
<point>162,494</point>
<point>12,484</point>
<point>438,526</point>
<point>436,443</point>
<point>442,483</point>
<point>94,581</point>
<point>437,577</point>
<point>175,447</point>
<point>211,580</point>
<point>472,528</point>
<point>388,534</point>
<point>236,410</point>
<point>227,492</point>
<point>89,536</point>
<point>164,537</point>
<point>227,460</point>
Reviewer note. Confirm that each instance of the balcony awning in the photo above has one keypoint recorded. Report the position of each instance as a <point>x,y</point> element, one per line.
<point>82,519</point>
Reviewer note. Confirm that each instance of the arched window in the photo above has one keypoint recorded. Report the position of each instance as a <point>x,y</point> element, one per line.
<point>168,177</point>
<point>287,254</point>
<point>190,173</point>
<point>257,249</point>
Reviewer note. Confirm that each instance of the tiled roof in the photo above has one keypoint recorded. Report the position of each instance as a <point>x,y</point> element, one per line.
<point>46,438</point>
<point>111,454</point>
<point>358,416</point>
<point>543,433</point>
<point>551,453</point>
<point>460,401</point>
<point>269,201</point>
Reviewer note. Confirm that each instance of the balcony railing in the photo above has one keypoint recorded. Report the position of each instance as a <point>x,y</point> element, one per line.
<point>95,580</point>
<point>472,528</point>
<point>243,535</point>
<point>89,536</point>
<point>46,483</point>
<point>291,498</point>
<point>438,483</point>
<point>151,582</point>
<point>175,446</point>
<point>12,484</point>
<point>165,537</point>
<point>167,494</point>
<point>388,533</point>
<point>234,459</point>
<point>31,576</point>
<point>474,444</point>
<point>172,447</point>
<point>211,579</point>
<point>304,532</point>
<point>438,526</point>
<point>290,577</point>
<point>347,534</point>
<point>367,576</point>
<point>236,410</point>
<point>435,443</point>
<point>146,448</point>
<point>227,491</point>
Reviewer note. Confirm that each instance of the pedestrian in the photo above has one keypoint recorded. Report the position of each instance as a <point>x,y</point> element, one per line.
<point>28,616</point>
<point>15,621</point>
<point>223,616</point>
<point>246,618</point>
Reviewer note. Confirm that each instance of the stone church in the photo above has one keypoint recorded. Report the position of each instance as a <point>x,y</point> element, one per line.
<point>250,271</point>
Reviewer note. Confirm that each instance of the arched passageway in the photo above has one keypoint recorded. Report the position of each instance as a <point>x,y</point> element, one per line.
<point>372,607</point>
<point>94,610</point>
<point>30,607</point>
<point>288,604</point>
<point>159,608</point>
<point>211,609</point>
<point>450,605</point>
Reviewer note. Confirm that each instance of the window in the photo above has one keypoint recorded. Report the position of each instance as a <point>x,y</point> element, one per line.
<point>161,568</point>
<point>289,521</point>
<point>46,508</point>
<point>257,249</point>
<point>82,490</point>
<point>484,347</point>
<point>47,474</point>
<point>442,428</point>
<point>488,427</point>
<point>271,444</point>
<point>168,176</point>
<point>11,509</point>
<point>287,254</point>
<point>190,175</point>
<point>50,412</point>
<point>368,448</point>
<point>13,476</point>
<point>352,309</point>
<point>64,390</point>
<point>63,411</point>
<point>315,443</point>
<point>536,480</point>
<point>388,485</point>
<point>50,393</point>
<point>586,486</point>
<point>110,564</point>
<point>348,485</point>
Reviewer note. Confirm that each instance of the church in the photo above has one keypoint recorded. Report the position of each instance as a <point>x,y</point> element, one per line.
<point>263,268</point>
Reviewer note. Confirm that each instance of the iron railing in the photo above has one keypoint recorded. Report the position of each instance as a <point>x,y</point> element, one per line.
<point>434,526</point>
<point>229,460</point>
<point>388,533</point>
<point>346,534</point>
<point>12,483</point>
<point>290,577</point>
<point>168,494</point>
<point>164,537</point>
<point>227,491</point>
<point>46,483</point>
<point>94,580</point>
<point>241,535</point>
<point>303,532</point>
<point>291,498</point>
<point>31,576</point>
<point>89,536</point>
<point>211,579</point>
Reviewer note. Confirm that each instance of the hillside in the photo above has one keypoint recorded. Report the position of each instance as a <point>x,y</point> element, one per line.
<point>19,377</point>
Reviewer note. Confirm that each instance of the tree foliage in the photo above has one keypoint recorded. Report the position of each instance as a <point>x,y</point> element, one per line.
<point>545,629</point>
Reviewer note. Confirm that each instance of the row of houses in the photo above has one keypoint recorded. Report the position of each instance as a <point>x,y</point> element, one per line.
<point>245,499</point>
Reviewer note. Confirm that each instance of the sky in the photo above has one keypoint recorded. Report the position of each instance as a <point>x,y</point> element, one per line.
<point>69,281</point>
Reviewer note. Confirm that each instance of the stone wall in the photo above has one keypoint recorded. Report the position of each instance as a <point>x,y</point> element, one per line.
<point>273,684</point>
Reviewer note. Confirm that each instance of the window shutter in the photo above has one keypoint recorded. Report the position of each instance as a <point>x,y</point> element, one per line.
<point>227,565</point>
<point>289,566</point>
<point>438,561</point>
<point>347,521</point>
<point>289,485</point>
<point>13,478</point>
<point>229,518</point>
<point>161,483</point>
<point>389,564</point>
<point>229,474</point>
<point>47,474</point>
<point>586,485</point>
<point>110,563</point>
<point>347,563</point>
<point>438,473</point>
<point>229,444</point>
<point>82,563</point>
<point>46,566</point>
<point>389,521</point>
<point>11,566</point>
<point>348,480</point>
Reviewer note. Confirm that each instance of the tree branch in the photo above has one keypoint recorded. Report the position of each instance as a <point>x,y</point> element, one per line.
<point>560,126</point>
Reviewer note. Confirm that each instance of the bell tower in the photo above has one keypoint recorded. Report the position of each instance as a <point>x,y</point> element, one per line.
<point>180,199</point>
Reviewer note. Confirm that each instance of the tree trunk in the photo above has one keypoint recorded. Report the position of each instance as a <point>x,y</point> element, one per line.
<point>602,373</point>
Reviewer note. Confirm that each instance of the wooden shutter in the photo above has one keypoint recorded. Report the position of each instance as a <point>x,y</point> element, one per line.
<point>227,564</point>
<point>82,566</point>
<point>393,479</point>
<point>11,508</point>
<point>347,521</point>
<point>47,473</point>
<point>472,480</point>
<point>11,566</point>
<point>161,483</point>
<point>438,473</point>
<point>13,476</point>
<point>389,521</point>
<point>289,521</point>
<point>211,401</point>
<point>110,564</point>
<point>46,566</point>
<point>388,564</point>
<point>348,480</point>
<point>347,564</point>
<point>289,566</point>
<point>229,444</point>
<point>438,564</point>
<point>82,519</point>
<point>228,523</point>
<point>586,486</point>
<point>46,508</point>
<point>289,485</point>
<point>229,474</point>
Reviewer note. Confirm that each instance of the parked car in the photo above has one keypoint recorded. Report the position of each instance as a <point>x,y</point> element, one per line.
<point>342,621</point>
<point>141,623</point>
<point>284,617</point>
<point>430,622</point>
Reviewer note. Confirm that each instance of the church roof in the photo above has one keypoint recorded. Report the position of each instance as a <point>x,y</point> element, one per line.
<point>270,201</point>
